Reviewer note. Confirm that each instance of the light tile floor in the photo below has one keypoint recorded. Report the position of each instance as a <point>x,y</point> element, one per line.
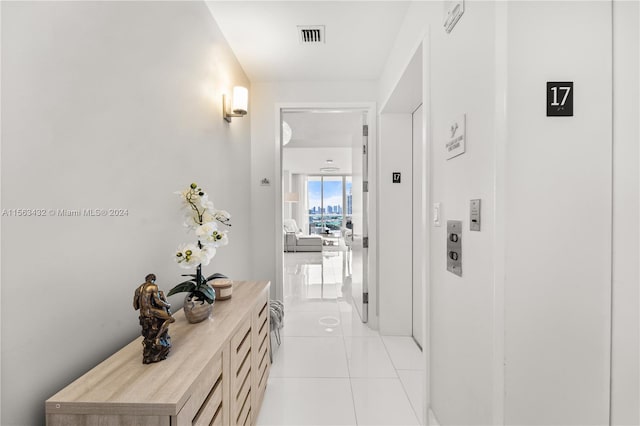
<point>332,369</point>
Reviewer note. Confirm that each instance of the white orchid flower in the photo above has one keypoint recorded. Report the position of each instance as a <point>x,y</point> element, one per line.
<point>201,217</point>
<point>203,201</point>
<point>208,216</point>
<point>208,253</point>
<point>189,256</point>
<point>191,220</point>
<point>210,235</point>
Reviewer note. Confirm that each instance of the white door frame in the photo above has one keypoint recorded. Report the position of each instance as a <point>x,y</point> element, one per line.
<point>370,108</point>
<point>425,234</point>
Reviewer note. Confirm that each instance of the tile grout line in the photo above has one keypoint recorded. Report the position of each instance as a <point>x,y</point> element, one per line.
<point>353,398</point>
<point>388,354</point>
<point>418,416</point>
<point>401,382</point>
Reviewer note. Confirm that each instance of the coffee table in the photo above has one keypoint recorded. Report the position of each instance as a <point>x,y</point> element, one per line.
<point>330,240</point>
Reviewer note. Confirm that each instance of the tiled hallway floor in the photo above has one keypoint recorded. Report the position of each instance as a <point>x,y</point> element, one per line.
<point>331,369</point>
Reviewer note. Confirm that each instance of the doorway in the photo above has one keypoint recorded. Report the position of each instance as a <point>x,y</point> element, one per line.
<point>404,252</point>
<point>328,218</point>
<point>402,242</point>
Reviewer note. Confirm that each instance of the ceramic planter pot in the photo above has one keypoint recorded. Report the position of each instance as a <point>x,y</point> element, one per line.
<point>196,310</point>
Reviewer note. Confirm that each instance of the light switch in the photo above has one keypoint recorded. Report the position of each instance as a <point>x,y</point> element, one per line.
<point>436,214</point>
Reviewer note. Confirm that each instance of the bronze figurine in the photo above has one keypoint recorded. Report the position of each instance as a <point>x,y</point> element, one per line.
<point>155,317</point>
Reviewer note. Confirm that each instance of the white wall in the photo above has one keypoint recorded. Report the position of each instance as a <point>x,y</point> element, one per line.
<point>462,82</point>
<point>523,336</point>
<point>625,374</point>
<point>415,26</point>
<point>558,216</point>
<point>105,105</point>
<point>265,154</point>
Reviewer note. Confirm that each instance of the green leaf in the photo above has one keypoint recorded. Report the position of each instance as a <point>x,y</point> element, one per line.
<point>208,291</point>
<point>189,275</point>
<point>187,286</point>
<point>216,276</point>
<point>203,297</point>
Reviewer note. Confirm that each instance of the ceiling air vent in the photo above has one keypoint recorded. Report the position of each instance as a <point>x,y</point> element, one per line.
<point>311,34</point>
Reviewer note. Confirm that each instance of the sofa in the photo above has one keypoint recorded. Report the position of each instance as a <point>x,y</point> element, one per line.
<point>295,240</point>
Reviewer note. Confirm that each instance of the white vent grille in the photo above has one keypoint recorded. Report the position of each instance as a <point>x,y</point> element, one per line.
<point>311,34</point>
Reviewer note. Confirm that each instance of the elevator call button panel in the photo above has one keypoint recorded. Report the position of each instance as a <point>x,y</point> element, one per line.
<point>454,247</point>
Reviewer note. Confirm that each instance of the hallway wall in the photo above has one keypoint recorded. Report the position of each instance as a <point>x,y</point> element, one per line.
<point>523,336</point>
<point>105,105</point>
<point>558,216</point>
<point>462,82</point>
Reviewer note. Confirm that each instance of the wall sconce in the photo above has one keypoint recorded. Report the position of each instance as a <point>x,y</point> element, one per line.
<point>238,103</point>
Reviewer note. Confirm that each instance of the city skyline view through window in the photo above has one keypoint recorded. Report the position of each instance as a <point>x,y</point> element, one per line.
<point>325,203</point>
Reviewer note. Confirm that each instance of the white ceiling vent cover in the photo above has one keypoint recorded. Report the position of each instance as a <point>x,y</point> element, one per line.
<point>311,34</point>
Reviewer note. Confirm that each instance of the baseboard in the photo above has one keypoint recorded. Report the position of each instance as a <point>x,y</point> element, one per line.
<point>433,420</point>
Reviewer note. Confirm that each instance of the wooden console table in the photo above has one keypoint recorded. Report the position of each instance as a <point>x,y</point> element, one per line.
<point>215,374</point>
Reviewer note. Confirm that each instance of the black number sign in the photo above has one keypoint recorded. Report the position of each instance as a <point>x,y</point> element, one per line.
<point>559,98</point>
<point>396,177</point>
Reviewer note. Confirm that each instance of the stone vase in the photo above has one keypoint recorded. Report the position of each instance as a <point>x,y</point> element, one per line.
<point>196,310</point>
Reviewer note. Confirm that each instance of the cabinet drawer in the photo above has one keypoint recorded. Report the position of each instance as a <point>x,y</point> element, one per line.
<point>240,345</point>
<point>264,364</point>
<point>217,417</point>
<point>244,417</point>
<point>241,396</point>
<point>263,313</point>
<point>243,372</point>
<point>211,405</point>
<point>209,381</point>
<point>263,347</point>
<point>263,327</point>
<point>206,390</point>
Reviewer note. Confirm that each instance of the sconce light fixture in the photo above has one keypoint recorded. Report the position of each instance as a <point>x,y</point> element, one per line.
<point>239,103</point>
<point>286,133</point>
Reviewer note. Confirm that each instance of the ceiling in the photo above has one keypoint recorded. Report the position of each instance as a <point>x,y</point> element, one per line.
<point>309,161</point>
<point>323,129</point>
<point>264,37</point>
<point>320,136</point>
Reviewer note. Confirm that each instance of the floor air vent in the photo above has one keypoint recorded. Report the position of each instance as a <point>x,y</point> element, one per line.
<point>313,34</point>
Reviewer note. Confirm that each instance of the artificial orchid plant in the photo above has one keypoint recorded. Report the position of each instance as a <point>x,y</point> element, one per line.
<point>202,218</point>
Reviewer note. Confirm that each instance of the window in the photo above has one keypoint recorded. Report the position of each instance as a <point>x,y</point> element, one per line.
<point>327,196</point>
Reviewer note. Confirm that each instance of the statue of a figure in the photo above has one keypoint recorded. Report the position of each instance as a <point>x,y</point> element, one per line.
<point>155,317</point>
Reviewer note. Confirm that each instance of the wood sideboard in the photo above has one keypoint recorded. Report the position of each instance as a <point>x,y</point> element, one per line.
<point>215,374</point>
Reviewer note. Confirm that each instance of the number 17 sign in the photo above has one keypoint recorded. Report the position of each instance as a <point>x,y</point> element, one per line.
<point>559,98</point>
